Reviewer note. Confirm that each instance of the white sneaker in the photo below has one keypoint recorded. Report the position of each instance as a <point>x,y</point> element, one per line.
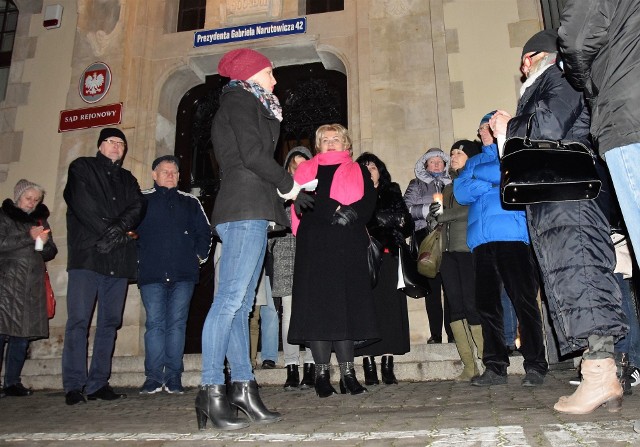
<point>635,376</point>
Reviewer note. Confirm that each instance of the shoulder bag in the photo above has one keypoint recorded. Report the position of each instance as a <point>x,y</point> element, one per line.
<point>430,254</point>
<point>51,299</point>
<point>535,171</point>
<point>374,258</point>
<point>410,282</point>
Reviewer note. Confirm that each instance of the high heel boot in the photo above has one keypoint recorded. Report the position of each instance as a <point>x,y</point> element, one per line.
<point>323,381</point>
<point>308,377</point>
<point>348,380</point>
<point>293,378</point>
<point>599,386</point>
<point>245,396</point>
<point>212,403</point>
<point>386,367</point>
<point>370,371</point>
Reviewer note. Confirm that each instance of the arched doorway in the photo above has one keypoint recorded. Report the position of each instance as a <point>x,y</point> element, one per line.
<point>310,96</point>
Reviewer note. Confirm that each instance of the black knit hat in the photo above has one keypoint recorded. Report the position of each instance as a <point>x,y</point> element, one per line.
<point>545,40</point>
<point>469,147</point>
<point>108,132</point>
<point>169,158</point>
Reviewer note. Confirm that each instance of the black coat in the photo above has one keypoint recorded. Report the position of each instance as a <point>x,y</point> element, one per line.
<point>98,191</point>
<point>244,137</point>
<point>23,304</point>
<point>599,43</point>
<point>391,220</point>
<point>570,239</point>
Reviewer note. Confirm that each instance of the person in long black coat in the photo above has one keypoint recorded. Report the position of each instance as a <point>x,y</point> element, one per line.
<point>334,302</point>
<point>391,224</point>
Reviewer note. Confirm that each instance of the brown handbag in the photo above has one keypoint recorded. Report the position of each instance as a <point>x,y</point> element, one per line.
<point>51,299</point>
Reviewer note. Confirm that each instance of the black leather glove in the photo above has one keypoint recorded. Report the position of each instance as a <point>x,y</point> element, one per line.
<point>303,202</point>
<point>398,238</point>
<point>433,209</point>
<point>114,236</point>
<point>343,216</point>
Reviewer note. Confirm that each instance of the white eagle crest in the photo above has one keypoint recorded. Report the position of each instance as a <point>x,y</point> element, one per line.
<point>93,83</point>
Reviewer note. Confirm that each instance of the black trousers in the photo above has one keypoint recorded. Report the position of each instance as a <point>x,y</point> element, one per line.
<point>511,264</point>
<point>458,279</point>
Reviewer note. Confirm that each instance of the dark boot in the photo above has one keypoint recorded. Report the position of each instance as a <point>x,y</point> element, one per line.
<point>212,403</point>
<point>386,367</point>
<point>245,396</point>
<point>323,381</point>
<point>308,377</point>
<point>370,371</point>
<point>348,380</point>
<point>623,372</point>
<point>293,378</point>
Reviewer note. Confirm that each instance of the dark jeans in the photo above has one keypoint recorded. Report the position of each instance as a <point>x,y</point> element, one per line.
<point>435,311</point>
<point>16,355</point>
<point>511,264</point>
<point>458,278</point>
<point>83,289</point>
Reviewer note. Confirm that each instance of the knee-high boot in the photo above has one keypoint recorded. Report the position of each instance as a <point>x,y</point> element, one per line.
<point>212,403</point>
<point>478,339</point>
<point>464,343</point>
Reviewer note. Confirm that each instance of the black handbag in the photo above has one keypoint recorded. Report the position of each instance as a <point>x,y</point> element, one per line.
<point>410,282</point>
<point>535,171</point>
<point>374,258</point>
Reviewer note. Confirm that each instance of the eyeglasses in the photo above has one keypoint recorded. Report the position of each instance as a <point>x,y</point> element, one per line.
<point>116,143</point>
<point>530,56</point>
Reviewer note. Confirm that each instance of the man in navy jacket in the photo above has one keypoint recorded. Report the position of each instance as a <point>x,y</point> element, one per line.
<point>174,239</point>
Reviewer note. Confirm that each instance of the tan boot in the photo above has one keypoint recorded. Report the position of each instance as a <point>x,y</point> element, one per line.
<point>476,333</point>
<point>599,386</point>
<point>464,344</point>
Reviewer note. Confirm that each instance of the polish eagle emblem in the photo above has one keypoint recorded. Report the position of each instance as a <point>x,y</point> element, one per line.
<point>93,83</point>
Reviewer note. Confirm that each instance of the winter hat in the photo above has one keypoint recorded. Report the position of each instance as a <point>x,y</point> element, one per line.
<point>242,64</point>
<point>22,186</point>
<point>108,132</point>
<point>545,40</point>
<point>469,147</point>
<point>485,119</point>
<point>171,158</point>
<point>435,152</point>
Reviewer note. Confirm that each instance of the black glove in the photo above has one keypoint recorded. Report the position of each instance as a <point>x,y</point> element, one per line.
<point>114,236</point>
<point>343,216</point>
<point>433,209</point>
<point>398,238</point>
<point>303,202</point>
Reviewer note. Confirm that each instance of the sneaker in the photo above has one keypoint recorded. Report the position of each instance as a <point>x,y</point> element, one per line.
<point>634,376</point>
<point>268,364</point>
<point>151,386</point>
<point>174,386</point>
<point>533,378</point>
<point>489,378</point>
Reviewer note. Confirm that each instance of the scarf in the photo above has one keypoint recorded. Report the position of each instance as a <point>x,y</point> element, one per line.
<point>268,100</point>
<point>347,186</point>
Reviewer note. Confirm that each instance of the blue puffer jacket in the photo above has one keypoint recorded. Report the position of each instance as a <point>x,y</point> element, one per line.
<point>175,237</point>
<point>478,186</point>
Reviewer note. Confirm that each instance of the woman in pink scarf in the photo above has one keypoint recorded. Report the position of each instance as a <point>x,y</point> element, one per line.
<point>333,304</point>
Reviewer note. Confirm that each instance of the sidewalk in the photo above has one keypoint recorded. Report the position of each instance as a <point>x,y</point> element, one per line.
<point>441,413</point>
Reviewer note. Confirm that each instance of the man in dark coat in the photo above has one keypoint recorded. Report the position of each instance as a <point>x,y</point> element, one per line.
<point>600,44</point>
<point>104,206</point>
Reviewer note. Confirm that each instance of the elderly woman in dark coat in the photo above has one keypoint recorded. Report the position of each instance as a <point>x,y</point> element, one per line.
<point>391,224</point>
<point>23,303</point>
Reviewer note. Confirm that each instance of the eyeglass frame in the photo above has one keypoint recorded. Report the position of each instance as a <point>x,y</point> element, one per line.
<point>530,56</point>
<point>116,143</point>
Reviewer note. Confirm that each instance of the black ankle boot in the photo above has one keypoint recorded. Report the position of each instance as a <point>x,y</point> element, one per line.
<point>308,377</point>
<point>212,403</point>
<point>370,371</point>
<point>348,381</point>
<point>323,381</point>
<point>622,364</point>
<point>245,396</point>
<point>293,378</point>
<point>386,368</point>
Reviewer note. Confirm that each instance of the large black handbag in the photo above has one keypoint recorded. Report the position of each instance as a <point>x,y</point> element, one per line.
<point>410,282</point>
<point>374,258</point>
<point>535,171</point>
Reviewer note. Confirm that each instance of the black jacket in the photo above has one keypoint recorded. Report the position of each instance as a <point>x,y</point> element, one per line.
<point>599,44</point>
<point>391,221</point>
<point>23,305</point>
<point>98,191</point>
<point>244,137</point>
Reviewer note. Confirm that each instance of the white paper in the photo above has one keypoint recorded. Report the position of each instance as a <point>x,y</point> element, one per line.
<point>310,186</point>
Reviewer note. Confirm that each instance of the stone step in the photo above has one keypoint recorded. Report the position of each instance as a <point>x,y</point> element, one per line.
<point>423,363</point>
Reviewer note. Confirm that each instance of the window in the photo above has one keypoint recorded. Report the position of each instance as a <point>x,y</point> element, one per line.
<point>9,19</point>
<point>320,6</point>
<point>191,14</point>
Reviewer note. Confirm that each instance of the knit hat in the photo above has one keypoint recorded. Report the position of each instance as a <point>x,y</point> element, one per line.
<point>242,64</point>
<point>108,132</point>
<point>171,158</point>
<point>545,40</point>
<point>469,147</point>
<point>485,119</point>
<point>22,186</point>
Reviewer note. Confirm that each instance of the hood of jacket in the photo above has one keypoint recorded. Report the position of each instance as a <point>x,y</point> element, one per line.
<point>424,175</point>
<point>298,150</point>
<point>41,212</point>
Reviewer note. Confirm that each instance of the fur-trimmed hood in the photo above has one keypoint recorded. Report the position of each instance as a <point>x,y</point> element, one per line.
<point>40,213</point>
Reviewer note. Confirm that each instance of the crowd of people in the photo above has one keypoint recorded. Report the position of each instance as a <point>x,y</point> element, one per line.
<point>315,216</point>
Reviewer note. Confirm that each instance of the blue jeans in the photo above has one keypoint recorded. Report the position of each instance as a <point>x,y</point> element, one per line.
<point>269,326</point>
<point>167,307</point>
<point>625,172</point>
<point>630,343</point>
<point>510,319</point>
<point>226,328</point>
<point>16,355</point>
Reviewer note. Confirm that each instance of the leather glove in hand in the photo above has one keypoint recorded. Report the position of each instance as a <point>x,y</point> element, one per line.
<point>303,202</point>
<point>343,216</point>
<point>432,223</point>
<point>113,236</point>
<point>433,209</point>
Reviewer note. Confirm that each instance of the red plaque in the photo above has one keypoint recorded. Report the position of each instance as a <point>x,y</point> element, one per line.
<point>90,117</point>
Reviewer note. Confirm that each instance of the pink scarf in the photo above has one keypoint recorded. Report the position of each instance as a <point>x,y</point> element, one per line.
<point>347,185</point>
